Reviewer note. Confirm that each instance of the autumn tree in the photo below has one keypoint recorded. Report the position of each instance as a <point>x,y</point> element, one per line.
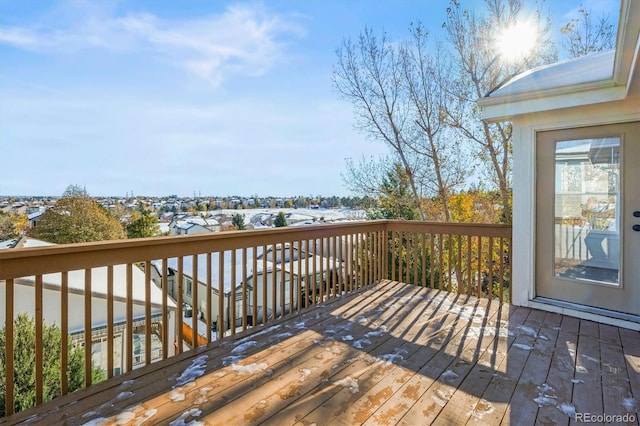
<point>144,225</point>
<point>280,220</point>
<point>477,67</point>
<point>24,361</point>
<point>584,35</point>
<point>12,225</point>
<point>77,218</point>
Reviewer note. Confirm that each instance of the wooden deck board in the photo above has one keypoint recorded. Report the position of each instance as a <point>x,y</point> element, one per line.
<point>388,354</point>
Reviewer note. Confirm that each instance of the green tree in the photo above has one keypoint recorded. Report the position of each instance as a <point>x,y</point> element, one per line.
<point>280,220</point>
<point>24,361</point>
<point>77,218</point>
<point>237,220</point>
<point>396,200</point>
<point>145,225</point>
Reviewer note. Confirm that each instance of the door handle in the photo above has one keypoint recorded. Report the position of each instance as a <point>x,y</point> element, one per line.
<point>636,227</point>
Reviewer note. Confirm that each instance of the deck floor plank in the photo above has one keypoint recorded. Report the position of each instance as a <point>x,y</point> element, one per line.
<point>388,354</point>
<point>325,359</point>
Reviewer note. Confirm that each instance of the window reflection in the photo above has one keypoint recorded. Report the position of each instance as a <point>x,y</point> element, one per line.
<point>587,201</point>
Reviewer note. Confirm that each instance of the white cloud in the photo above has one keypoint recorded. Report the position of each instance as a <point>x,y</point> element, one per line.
<point>244,39</point>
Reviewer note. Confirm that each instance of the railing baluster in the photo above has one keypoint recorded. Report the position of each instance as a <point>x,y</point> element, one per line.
<point>322,267</point>
<point>450,263</point>
<point>179,289</point>
<point>221,325</point>
<point>254,293</point>
<point>147,312</point>
<point>394,257</point>
<point>314,266</point>
<point>110,321</point>
<point>87,327</point>
<point>307,278</point>
<point>350,261</point>
<point>274,282</point>
<point>264,285</point>
<point>299,281</point>
<point>209,314</point>
<point>194,302</point>
<point>282,279</point>
<point>490,260</point>
<point>292,283</point>
<point>340,260</point>
<point>165,311</point>
<point>39,348</point>
<point>334,278</point>
<point>232,298</point>
<point>129,324</point>
<point>8,347</point>
<point>400,255</point>
<point>501,291</point>
<point>479,289</point>
<point>415,258</point>
<point>432,261</point>
<point>244,288</point>
<point>64,332</point>
<point>458,268</point>
<point>469,262</point>
<point>423,253</point>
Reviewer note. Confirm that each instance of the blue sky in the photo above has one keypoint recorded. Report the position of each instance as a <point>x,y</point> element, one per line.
<point>166,97</point>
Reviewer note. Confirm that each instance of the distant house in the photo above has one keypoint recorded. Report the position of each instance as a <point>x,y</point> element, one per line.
<point>190,225</point>
<point>34,218</point>
<point>285,276</point>
<point>24,296</point>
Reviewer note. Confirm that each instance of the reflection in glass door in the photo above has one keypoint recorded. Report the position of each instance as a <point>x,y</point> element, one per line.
<point>586,210</point>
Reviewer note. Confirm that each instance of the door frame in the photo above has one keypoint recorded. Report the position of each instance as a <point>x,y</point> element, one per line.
<point>621,296</point>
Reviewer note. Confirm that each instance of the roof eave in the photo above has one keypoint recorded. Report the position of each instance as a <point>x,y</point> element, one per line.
<point>505,107</point>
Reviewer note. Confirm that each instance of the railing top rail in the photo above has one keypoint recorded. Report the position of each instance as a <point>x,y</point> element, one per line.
<point>15,263</point>
<point>474,229</point>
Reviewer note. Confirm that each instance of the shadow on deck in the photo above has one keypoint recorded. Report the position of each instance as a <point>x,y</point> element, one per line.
<point>389,354</point>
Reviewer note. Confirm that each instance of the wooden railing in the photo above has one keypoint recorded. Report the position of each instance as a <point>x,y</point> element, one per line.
<point>134,298</point>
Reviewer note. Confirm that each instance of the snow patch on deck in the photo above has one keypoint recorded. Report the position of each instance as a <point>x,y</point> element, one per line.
<point>350,383</point>
<point>449,376</point>
<point>182,420</point>
<point>243,347</point>
<point>124,395</point>
<point>523,346</point>
<point>546,396</point>
<point>630,404</point>
<point>193,371</point>
<point>96,422</point>
<point>251,369</point>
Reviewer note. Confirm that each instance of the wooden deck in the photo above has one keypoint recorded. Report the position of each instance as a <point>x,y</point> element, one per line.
<point>389,354</point>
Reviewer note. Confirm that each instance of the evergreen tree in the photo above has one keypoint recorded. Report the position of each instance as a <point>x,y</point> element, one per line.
<point>280,220</point>
<point>237,220</point>
<point>24,333</point>
<point>146,225</point>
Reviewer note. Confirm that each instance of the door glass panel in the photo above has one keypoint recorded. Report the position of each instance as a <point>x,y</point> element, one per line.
<point>587,208</point>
